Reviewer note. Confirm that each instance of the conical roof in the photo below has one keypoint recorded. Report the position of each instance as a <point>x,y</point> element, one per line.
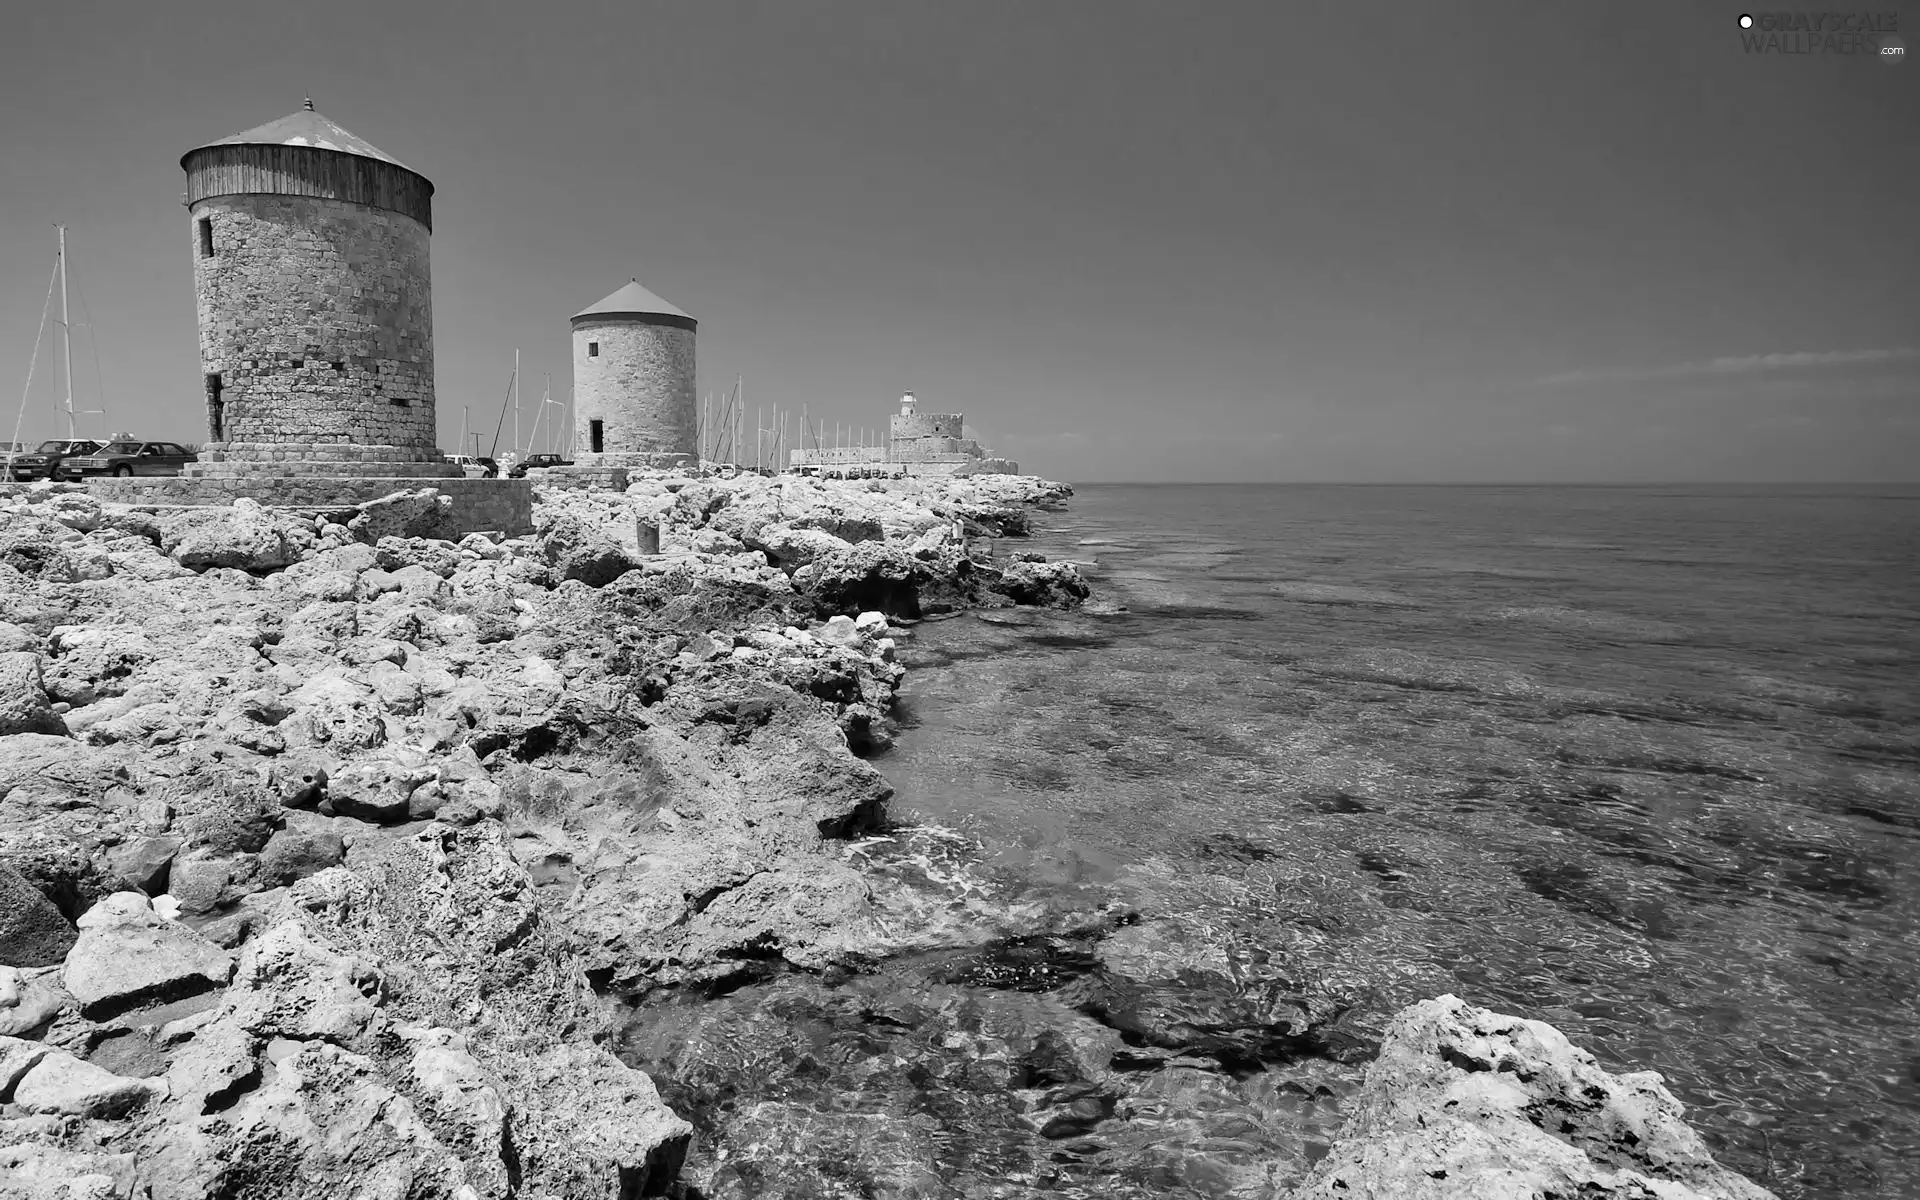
<point>307,128</point>
<point>632,300</point>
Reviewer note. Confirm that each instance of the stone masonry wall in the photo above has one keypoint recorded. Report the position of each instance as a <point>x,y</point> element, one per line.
<point>479,505</point>
<point>317,317</point>
<point>641,387</point>
<point>927,425</point>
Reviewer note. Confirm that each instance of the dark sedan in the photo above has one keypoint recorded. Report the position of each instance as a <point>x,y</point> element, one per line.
<point>535,462</point>
<point>44,461</point>
<point>130,458</point>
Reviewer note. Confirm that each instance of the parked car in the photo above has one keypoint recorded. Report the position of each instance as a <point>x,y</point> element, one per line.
<point>129,458</point>
<point>8,452</point>
<point>535,462</point>
<point>44,461</point>
<point>474,466</point>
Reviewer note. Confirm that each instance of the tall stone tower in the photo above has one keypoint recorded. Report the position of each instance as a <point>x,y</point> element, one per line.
<point>633,383</point>
<point>310,274</point>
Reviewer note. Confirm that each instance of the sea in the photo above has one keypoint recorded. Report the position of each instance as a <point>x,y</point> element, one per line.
<point>1642,762</point>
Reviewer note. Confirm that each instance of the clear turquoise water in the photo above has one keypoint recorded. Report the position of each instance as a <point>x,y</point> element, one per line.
<point>1642,762</point>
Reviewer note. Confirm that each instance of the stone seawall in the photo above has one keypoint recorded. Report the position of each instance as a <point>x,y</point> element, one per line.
<point>479,505</point>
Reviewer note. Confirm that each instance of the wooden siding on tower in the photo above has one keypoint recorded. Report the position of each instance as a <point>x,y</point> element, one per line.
<point>308,171</point>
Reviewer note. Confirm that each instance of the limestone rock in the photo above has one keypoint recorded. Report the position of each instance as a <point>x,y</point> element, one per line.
<point>575,549</point>
<point>1467,1104</point>
<point>212,1068</point>
<point>1053,585</point>
<point>33,933</point>
<point>197,882</point>
<point>17,1057</point>
<point>377,789</point>
<point>420,513</point>
<point>143,958</point>
<point>24,707</point>
<point>29,999</point>
<point>89,662</point>
<point>61,1083</point>
<point>37,1171</point>
<point>245,536</point>
<point>293,854</point>
<point>144,862</point>
<point>324,1124</point>
<point>288,985</point>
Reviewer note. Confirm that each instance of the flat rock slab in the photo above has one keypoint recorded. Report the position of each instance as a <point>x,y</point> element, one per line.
<point>114,968</point>
<point>17,1057</point>
<point>61,1083</point>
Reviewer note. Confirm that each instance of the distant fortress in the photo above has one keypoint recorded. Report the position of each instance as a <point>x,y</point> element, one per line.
<point>920,443</point>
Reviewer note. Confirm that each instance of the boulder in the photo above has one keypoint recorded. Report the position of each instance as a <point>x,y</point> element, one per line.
<point>17,1057</point>
<point>29,999</point>
<point>377,788</point>
<point>212,1068</point>
<point>140,957</point>
<point>1053,585</point>
<point>288,985</point>
<point>575,548</point>
<point>89,662</point>
<point>24,707</point>
<point>144,862</point>
<point>293,854</point>
<point>420,513</point>
<point>246,536</point>
<point>33,933</point>
<point>197,882</point>
<point>1467,1104</point>
<point>60,1083</point>
<point>323,1124</point>
<point>38,1171</point>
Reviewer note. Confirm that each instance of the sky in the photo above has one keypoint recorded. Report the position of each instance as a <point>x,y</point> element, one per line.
<point>1515,241</point>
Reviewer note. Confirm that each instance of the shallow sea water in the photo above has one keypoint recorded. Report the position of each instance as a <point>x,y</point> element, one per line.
<point>1641,762</point>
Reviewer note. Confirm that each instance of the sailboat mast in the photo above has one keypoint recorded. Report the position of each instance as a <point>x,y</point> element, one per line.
<point>516,402</point>
<point>66,330</point>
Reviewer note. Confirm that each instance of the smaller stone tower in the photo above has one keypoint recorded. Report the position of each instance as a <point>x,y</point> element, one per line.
<point>633,383</point>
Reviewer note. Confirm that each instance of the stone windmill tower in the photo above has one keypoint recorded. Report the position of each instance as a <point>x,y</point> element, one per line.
<point>311,280</point>
<point>633,383</point>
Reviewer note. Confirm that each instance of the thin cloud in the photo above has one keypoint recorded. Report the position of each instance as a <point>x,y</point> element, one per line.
<point>1748,365</point>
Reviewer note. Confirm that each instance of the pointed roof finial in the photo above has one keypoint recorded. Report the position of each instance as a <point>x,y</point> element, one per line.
<point>309,103</point>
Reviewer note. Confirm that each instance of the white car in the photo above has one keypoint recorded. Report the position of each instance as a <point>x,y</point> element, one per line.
<point>470,466</point>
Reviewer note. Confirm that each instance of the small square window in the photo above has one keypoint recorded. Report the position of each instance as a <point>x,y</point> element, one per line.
<point>593,349</point>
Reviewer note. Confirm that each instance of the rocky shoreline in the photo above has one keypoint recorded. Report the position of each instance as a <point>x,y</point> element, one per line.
<point>335,853</point>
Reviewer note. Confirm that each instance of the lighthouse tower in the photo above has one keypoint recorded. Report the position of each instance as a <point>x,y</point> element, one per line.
<point>315,304</point>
